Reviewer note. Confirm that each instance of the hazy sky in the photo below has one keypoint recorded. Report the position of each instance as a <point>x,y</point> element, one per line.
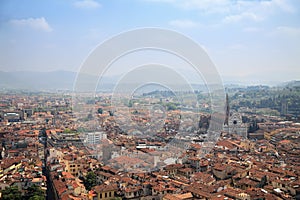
<point>253,40</point>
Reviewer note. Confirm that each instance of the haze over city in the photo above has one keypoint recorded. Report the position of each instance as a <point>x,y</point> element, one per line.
<point>250,42</point>
<point>149,99</point>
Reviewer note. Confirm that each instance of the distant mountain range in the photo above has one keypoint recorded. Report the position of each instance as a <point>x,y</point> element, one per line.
<point>64,80</point>
<point>37,80</point>
<point>32,80</point>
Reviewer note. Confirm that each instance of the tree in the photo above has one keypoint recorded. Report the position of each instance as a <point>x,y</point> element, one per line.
<point>43,132</point>
<point>100,110</point>
<point>171,106</point>
<point>90,180</point>
<point>34,192</point>
<point>11,193</point>
<point>262,182</point>
<point>253,127</point>
<point>111,113</point>
<point>67,130</point>
<point>35,197</point>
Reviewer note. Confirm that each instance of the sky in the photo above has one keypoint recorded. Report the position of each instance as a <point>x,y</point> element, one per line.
<point>254,41</point>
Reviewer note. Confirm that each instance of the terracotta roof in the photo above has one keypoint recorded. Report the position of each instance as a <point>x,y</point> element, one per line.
<point>60,187</point>
<point>68,175</point>
<point>133,188</point>
<point>200,189</point>
<point>105,188</point>
<point>187,195</point>
<point>171,197</point>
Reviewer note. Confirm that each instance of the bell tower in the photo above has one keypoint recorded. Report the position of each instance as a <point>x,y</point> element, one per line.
<point>227,108</point>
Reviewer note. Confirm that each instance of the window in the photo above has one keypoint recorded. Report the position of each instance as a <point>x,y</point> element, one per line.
<point>105,195</point>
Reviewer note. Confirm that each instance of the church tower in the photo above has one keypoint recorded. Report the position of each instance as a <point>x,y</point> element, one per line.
<point>227,108</point>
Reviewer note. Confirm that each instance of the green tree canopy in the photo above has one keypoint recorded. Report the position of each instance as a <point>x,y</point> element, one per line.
<point>34,192</point>
<point>11,193</point>
<point>36,197</point>
<point>90,180</point>
<point>100,110</point>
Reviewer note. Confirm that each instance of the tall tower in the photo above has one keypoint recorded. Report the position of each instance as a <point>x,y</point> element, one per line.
<point>227,110</point>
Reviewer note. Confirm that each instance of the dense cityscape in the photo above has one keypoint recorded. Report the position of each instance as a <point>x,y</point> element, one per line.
<point>149,100</point>
<point>48,153</point>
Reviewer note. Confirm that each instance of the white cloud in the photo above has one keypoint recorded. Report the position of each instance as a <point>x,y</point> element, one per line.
<point>210,6</point>
<point>242,16</point>
<point>33,23</point>
<point>288,31</point>
<point>235,10</point>
<point>183,23</point>
<point>222,6</point>
<point>251,29</point>
<point>279,4</point>
<point>87,4</point>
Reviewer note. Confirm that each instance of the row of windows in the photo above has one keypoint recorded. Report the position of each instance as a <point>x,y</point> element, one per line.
<point>106,194</point>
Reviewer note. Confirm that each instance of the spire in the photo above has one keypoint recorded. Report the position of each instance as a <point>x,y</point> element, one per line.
<point>227,110</point>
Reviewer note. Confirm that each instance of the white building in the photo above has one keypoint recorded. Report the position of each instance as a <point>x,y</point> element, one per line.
<point>235,125</point>
<point>95,137</point>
